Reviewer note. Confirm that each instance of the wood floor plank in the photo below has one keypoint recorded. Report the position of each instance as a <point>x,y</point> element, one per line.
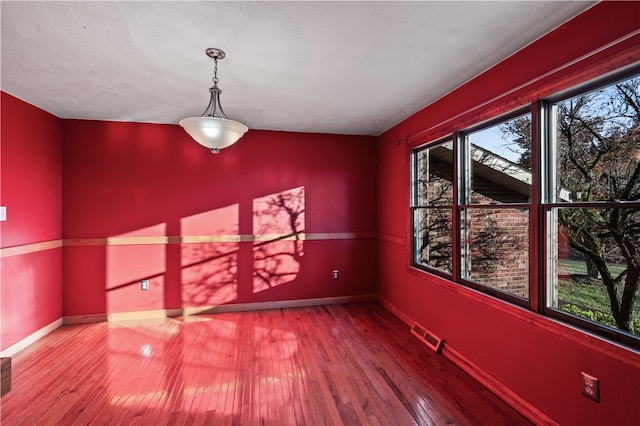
<point>354,364</point>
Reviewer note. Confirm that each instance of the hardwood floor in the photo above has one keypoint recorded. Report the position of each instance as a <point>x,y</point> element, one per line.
<point>329,365</point>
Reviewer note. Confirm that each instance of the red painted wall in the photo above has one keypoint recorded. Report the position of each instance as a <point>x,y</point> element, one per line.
<point>30,187</point>
<point>532,356</point>
<point>128,180</point>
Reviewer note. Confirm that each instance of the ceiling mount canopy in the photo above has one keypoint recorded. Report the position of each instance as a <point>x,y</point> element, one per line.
<point>213,129</point>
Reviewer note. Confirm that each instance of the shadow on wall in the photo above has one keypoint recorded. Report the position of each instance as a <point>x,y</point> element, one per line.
<point>212,253</point>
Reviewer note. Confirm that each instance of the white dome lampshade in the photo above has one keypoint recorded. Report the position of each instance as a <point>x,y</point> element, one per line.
<point>213,132</point>
<point>214,129</point>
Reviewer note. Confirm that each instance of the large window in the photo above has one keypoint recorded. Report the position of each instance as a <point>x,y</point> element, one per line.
<point>593,209</point>
<point>490,198</point>
<point>475,218</point>
<point>432,207</point>
<point>495,203</point>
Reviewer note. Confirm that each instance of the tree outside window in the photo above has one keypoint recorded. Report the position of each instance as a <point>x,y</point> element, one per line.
<point>495,208</point>
<point>596,232</point>
<point>433,199</point>
<point>589,176</point>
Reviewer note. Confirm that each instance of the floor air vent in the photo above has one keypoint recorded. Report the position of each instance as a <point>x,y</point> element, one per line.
<point>427,337</point>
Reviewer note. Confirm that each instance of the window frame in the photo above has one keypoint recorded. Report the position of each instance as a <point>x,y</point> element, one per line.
<point>540,205</point>
<point>461,180</point>
<point>466,204</point>
<point>414,207</point>
<point>549,204</point>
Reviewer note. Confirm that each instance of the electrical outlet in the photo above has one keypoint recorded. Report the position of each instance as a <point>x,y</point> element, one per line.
<point>590,387</point>
<point>144,285</point>
<point>335,274</point>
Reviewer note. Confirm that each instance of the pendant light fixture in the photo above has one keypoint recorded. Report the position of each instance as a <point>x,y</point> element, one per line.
<point>213,129</point>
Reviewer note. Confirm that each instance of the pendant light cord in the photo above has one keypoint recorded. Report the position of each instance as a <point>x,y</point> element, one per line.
<point>215,71</point>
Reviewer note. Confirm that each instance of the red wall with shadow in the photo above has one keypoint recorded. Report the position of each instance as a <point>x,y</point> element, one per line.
<point>267,219</point>
<point>30,188</point>
<point>529,354</point>
<point>136,198</point>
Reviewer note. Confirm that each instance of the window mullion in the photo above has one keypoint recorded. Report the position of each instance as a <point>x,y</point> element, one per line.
<point>458,190</point>
<point>535,214</point>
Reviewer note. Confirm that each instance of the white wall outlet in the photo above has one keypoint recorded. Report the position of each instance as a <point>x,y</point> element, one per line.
<point>144,285</point>
<point>590,387</point>
<point>335,274</point>
<point>3,213</point>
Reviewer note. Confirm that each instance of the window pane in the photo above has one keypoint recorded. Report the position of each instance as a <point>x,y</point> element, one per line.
<point>597,140</point>
<point>435,175</point>
<point>433,238</point>
<point>500,162</point>
<point>496,245</point>
<point>594,273</point>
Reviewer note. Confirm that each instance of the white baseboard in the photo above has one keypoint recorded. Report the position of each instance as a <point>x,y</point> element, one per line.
<point>235,307</point>
<point>495,386</point>
<point>506,394</point>
<point>17,347</point>
<point>395,311</point>
<point>158,313</point>
<point>162,313</point>
<point>84,319</point>
<point>298,303</point>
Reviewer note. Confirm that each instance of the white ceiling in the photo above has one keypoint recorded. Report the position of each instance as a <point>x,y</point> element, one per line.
<point>313,66</point>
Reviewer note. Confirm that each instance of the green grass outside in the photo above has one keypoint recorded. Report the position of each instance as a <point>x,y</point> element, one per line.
<point>588,295</point>
<point>568,266</point>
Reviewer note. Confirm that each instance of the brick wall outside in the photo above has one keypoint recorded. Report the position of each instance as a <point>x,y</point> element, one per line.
<point>497,239</point>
